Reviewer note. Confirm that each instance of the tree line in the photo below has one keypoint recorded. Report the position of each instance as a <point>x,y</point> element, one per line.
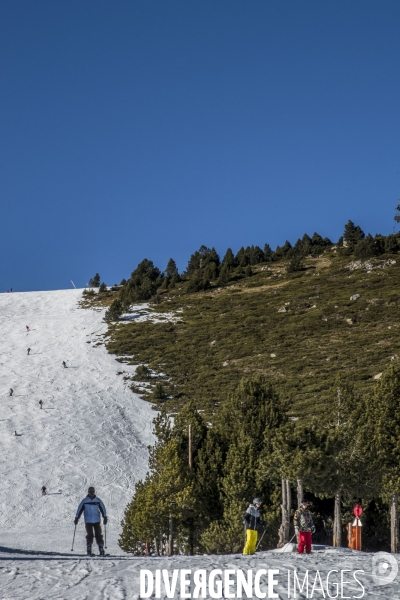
<point>202,475</point>
<point>205,268</point>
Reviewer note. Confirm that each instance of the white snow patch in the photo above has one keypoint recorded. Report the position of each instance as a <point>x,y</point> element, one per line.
<point>141,313</point>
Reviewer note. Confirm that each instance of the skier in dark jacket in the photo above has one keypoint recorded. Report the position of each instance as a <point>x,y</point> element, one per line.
<point>303,527</point>
<point>252,519</point>
<point>92,507</point>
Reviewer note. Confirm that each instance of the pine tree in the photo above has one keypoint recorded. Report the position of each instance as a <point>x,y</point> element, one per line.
<point>95,281</point>
<point>229,259</point>
<point>237,487</point>
<point>171,270</point>
<point>114,312</point>
<point>353,233</point>
<point>267,253</point>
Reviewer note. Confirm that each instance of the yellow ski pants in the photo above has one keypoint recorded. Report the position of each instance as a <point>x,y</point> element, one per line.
<point>251,541</point>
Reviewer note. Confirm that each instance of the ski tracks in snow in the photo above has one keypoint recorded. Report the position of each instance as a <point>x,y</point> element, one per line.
<point>90,431</point>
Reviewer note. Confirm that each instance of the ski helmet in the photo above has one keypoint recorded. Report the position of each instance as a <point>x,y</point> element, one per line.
<point>304,501</point>
<point>257,501</point>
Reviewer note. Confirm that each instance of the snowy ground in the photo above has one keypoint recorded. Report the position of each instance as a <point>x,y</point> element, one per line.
<point>93,430</point>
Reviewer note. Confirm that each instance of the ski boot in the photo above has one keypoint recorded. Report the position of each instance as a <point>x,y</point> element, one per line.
<point>101,550</point>
<point>89,550</point>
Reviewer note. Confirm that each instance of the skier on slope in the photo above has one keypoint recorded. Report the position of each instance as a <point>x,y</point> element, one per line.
<point>11,391</point>
<point>64,364</point>
<point>28,351</point>
<point>27,328</point>
<point>44,490</point>
<point>303,527</point>
<point>252,519</point>
<point>92,507</point>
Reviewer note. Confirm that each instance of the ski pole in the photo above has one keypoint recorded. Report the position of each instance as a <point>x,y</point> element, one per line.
<point>105,535</point>
<point>289,542</point>
<point>73,540</point>
<point>260,539</point>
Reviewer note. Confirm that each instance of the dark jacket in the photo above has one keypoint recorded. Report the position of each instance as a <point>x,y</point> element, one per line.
<point>252,518</point>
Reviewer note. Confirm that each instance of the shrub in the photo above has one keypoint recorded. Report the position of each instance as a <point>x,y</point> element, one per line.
<point>142,372</point>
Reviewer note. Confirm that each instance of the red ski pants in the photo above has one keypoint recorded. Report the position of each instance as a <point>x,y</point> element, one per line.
<point>304,540</point>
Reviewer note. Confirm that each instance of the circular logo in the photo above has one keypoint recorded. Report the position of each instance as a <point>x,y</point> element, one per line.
<point>384,568</point>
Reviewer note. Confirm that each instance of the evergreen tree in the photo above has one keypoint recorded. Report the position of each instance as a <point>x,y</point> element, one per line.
<point>256,255</point>
<point>282,251</point>
<point>369,246</point>
<point>229,260</point>
<point>353,233</point>
<point>95,281</point>
<point>237,487</point>
<point>114,312</point>
<point>102,288</point>
<point>383,431</point>
<point>142,285</point>
<point>242,259</point>
<point>267,253</point>
<point>392,244</point>
<point>171,270</point>
<point>224,274</point>
<point>295,264</point>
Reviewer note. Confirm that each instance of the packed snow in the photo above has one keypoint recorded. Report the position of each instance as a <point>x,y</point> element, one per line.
<point>92,430</point>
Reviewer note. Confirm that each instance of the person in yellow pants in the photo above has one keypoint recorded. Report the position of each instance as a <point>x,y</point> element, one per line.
<point>252,519</point>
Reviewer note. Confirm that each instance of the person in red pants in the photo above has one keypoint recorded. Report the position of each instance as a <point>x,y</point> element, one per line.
<point>303,527</point>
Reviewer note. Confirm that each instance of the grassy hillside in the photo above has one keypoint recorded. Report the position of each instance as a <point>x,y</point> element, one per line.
<point>298,329</point>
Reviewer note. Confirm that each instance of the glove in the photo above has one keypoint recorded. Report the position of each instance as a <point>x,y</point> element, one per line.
<point>313,529</point>
<point>76,521</point>
<point>105,520</point>
<point>296,531</point>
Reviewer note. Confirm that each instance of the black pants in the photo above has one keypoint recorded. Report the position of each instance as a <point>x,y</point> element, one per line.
<point>97,533</point>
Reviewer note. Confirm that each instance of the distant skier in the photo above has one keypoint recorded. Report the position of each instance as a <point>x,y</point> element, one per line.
<point>27,328</point>
<point>64,364</point>
<point>251,520</point>
<point>28,351</point>
<point>11,391</point>
<point>41,403</point>
<point>92,507</point>
<point>44,490</point>
<point>303,527</point>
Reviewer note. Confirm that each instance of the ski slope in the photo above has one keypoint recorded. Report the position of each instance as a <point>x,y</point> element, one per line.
<point>94,430</point>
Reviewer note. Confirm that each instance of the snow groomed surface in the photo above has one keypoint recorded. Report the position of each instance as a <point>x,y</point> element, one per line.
<point>93,430</point>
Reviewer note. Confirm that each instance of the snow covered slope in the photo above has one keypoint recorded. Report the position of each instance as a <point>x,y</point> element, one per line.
<point>92,428</point>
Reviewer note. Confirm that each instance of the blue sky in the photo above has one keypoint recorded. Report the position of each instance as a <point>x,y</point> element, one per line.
<point>133,129</point>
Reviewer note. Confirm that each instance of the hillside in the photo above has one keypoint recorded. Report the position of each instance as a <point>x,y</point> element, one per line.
<point>300,329</point>
<point>91,430</point>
